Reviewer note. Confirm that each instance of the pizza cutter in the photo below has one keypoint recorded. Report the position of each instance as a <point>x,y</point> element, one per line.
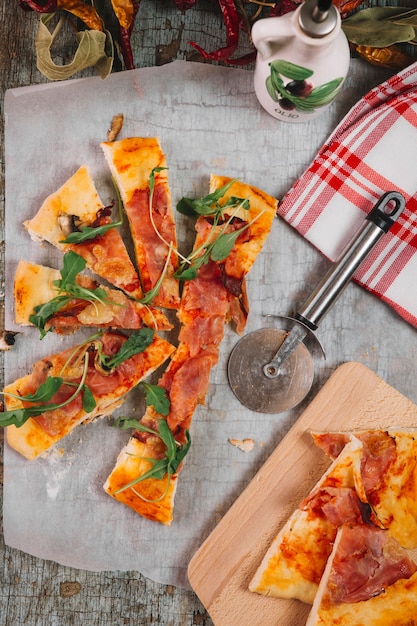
<point>271,370</point>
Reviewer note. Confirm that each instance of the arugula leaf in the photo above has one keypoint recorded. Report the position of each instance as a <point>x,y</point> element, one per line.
<point>152,181</point>
<point>167,466</point>
<point>45,390</point>
<point>44,393</point>
<point>137,342</point>
<point>156,396</point>
<point>126,423</point>
<point>89,402</point>
<point>42,312</point>
<point>204,206</point>
<point>188,273</point>
<point>224,243</point>
<point>86,233</point>
<point>73,264</point>
<point>181,453</point>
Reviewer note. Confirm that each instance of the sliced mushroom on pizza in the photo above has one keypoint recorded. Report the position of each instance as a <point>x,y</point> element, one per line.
<point>66,300</point>
<point>74,218</point>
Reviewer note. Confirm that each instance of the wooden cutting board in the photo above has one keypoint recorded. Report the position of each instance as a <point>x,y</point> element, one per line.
<point>353,398</point>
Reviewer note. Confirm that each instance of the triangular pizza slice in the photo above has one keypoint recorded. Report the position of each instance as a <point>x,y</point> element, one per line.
<point>77,386</point>
<point>213,284</point>
<point>138,166</point>
<point>54,301</point>
<point>295,561</point>
<point>387,477</point>
<point>75,213</point>
<point>369,580</point>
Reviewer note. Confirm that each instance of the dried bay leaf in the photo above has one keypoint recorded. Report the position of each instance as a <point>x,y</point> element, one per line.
<point>92,51</point>
<point>380,26</point>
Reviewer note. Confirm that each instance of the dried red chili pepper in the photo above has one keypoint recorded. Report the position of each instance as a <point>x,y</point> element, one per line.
<point>86,13</point>
<point>123,10</point>
<point>390,56</point>
<point>347,6</point>
<point>231,20</point>
<point>184,5</point>
<point>125,34</point>
<point>49,6</point>
<point>283,7</point>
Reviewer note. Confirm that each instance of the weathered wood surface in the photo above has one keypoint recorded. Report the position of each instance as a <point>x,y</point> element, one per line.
<point>36,593</point>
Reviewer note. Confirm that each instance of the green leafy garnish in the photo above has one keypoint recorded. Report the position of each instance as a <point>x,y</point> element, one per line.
<point>154,171</point>
<point>68,289</point>
<point>137,342</point>
<point>209,205</point>
<point>44,393</point>
<point>87,233</point>
<point>216,249</point>
<point>167,466</point>
<point>156,396</point>
<point>219,243</point>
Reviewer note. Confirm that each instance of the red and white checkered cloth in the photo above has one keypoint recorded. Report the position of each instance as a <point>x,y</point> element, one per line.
<point>373,150</point>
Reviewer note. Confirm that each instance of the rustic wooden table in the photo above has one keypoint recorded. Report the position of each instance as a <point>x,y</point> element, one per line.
<point>36,592</point>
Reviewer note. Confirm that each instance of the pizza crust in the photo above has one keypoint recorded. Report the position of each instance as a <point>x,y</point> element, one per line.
<point>132,161</point>
<point>152,498</point>
<point>395,606</point>
<point>105,255</point>
<point>34,285</point>
<point>31,440</point>
<point>77,196</point>
<point>295,561</point>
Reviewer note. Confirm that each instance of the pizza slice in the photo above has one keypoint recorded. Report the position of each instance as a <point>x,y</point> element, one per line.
<point>240,221</point>
<point>369,579</point>
<point>295,561</point>
<point>387,477</point>
<point>63,301</point>
<point>74,218</point>
<point>138,166</point>
<point>77,386</point>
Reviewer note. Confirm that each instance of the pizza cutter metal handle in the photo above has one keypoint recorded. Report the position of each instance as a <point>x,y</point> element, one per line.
<point>383,215</point>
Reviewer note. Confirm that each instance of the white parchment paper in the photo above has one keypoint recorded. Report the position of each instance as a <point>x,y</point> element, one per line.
<point>208,120</point>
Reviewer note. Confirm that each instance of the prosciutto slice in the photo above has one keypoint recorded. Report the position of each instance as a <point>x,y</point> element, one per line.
<point>208,302</point>
<point>369,579</point>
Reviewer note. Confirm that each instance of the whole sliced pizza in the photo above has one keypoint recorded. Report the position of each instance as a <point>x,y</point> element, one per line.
<point>99,286</point>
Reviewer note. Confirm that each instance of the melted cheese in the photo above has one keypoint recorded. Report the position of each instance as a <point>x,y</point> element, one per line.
<point>31,440</point>
<point>131,464</point>
<point>132,161</point>
<point>295,561</point>
<point>33,285</point>
<point>395,606</point>
<point>77,196</point>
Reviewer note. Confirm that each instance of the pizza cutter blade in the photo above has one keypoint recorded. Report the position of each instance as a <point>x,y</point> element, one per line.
<point>271,370</point>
